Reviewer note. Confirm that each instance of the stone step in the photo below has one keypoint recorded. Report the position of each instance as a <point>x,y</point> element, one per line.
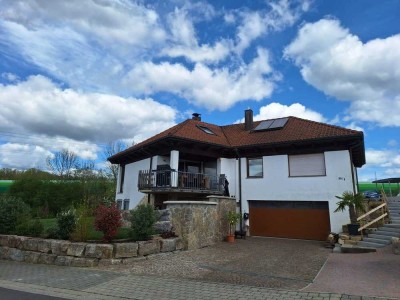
<point>355,249</point>
<point>387,233</point>
<point>370,245</point>
<point>378,241</point>
<point>380,236</point>
<point>388,228</point>
<point>392,226</point>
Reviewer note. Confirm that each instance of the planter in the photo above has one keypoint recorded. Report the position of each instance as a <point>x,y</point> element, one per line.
<point>353,229</point>
<point>230,238</point>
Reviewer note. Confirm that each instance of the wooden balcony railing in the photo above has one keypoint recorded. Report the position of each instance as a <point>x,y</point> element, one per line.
<point>178,180</point>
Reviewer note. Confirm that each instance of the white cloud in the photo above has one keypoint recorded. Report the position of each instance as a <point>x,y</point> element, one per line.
<point>392,143</point>
<point>276,110</point>
<point>184,42</point>
<point>217,88</point>
<point>86,44</point>
<point>110,22</point>
<point>10,77</point>
<point>282,14</point>
<point>56,118</point>
<point>338,63</point>
<point>383,158</point>
<point>22,156</point>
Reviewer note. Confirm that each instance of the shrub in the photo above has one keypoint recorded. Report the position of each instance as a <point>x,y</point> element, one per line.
<point>66,222</point>
<point>30,228</point>
<point>13,211</point>
<point>108,220</point>
<point>83,224</point>
<point>143,218</point>
<point>52,233</point>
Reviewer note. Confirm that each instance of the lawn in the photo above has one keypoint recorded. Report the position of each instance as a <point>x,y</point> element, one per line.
<point>369,186</point>
<point>93,234</point>
<point>5,185</point>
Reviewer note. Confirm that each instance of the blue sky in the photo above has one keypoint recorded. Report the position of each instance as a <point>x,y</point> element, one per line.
<point>78,74</point>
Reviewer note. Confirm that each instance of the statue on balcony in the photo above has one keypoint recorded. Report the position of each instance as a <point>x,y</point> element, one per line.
<point>226,188</point>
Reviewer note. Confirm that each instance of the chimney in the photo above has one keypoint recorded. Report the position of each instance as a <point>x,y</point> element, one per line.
<point>248,119</point>
<point>196,117</point>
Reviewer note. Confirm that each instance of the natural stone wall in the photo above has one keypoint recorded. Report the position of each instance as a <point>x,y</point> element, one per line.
<point>396,245</point>
<point>65,253</point>
<point>200,223</point>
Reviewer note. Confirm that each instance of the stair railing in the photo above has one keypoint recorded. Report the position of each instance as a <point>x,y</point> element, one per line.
<point>384,209</point>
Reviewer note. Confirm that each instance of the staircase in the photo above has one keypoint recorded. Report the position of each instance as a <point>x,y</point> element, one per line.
<point>383,235</point>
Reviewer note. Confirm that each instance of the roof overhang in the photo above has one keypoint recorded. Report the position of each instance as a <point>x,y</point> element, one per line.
<point>163,146</point>
<point>388,180</point>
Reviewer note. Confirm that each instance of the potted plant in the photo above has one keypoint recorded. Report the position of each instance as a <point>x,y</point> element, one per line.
<point>352,202</point>
<point>233,218</point>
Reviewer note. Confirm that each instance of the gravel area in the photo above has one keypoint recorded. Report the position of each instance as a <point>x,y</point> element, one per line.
<point>266,262</point>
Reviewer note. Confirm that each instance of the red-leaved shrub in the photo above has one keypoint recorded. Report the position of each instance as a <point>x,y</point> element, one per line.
<point>108,220</point>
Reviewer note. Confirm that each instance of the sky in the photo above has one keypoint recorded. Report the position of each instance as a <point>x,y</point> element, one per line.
<point>79,74</point>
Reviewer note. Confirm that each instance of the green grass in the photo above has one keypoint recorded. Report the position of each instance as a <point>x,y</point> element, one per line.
<point>368,186</point>
<point>93,234</point>
<point>5,185</point>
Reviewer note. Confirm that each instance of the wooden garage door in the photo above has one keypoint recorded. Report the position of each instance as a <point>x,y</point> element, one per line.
<point>290,219</point>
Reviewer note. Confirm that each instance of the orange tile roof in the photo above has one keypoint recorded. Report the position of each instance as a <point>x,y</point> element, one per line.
<point>233,136</point>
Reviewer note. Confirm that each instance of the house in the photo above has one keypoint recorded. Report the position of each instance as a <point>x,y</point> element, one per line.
<point>284,172</point>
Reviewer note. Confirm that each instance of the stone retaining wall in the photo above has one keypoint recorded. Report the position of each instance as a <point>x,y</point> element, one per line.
<point>65,253</point>
<point>201,223</point>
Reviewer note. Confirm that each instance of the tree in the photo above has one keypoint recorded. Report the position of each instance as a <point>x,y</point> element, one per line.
<point>62,163</point>
<point>351,201</point>
<point>109,150</point>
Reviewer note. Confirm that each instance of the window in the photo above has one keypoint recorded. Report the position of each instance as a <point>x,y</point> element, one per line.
<point>206,129</point>
<point>255,167</point>
<point>307,165</point>
<point>119,204</point>
<point>122,178</point>
<point>126,204</point>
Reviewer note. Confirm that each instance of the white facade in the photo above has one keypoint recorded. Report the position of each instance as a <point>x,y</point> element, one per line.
<point>130,189</point>
<point>275,185</point>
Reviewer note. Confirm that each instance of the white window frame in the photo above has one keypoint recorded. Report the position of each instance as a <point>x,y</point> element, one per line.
<point>307,165</point>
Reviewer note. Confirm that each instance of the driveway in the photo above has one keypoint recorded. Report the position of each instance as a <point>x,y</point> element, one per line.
<point>264,262</point>
<point>368,274</point>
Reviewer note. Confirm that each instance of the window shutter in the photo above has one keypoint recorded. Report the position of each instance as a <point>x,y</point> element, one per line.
<point>307,165</point>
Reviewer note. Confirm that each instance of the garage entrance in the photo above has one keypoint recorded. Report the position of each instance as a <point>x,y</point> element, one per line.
<point>290,219</point>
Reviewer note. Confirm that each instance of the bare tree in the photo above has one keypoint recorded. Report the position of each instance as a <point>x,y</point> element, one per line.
<point>62,163</point>
<point>109,150</point>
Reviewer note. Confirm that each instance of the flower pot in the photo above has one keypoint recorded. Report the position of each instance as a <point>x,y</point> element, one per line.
<point>353,229</point>
<point>230,238</point>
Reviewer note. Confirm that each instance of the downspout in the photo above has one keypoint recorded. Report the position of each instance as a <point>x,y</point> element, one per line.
<point>151,168</point>
<point>240,186</point>
<point>352,170</point>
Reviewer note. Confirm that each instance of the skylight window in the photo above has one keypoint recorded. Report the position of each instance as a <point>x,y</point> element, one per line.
<point>271,124</point>
<point>206,129</point>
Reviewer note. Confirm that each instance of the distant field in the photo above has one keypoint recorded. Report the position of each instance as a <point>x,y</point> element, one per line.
<point>5,185</point>
<point>368,186</point>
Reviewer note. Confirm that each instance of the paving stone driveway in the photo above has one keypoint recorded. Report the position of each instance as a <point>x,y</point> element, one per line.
<point>263,262</point>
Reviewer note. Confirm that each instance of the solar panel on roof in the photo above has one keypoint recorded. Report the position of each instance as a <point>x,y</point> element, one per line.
<point>271,124</point>
<point>264,125</point>
<point>278,123</point>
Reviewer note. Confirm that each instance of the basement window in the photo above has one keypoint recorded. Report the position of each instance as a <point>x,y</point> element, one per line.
<point>206,129</point>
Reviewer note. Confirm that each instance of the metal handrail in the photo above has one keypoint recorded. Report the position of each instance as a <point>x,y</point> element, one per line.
<point>159,179</point>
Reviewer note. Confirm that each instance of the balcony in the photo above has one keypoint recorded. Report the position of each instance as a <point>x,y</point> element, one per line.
<point>165,181</point>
